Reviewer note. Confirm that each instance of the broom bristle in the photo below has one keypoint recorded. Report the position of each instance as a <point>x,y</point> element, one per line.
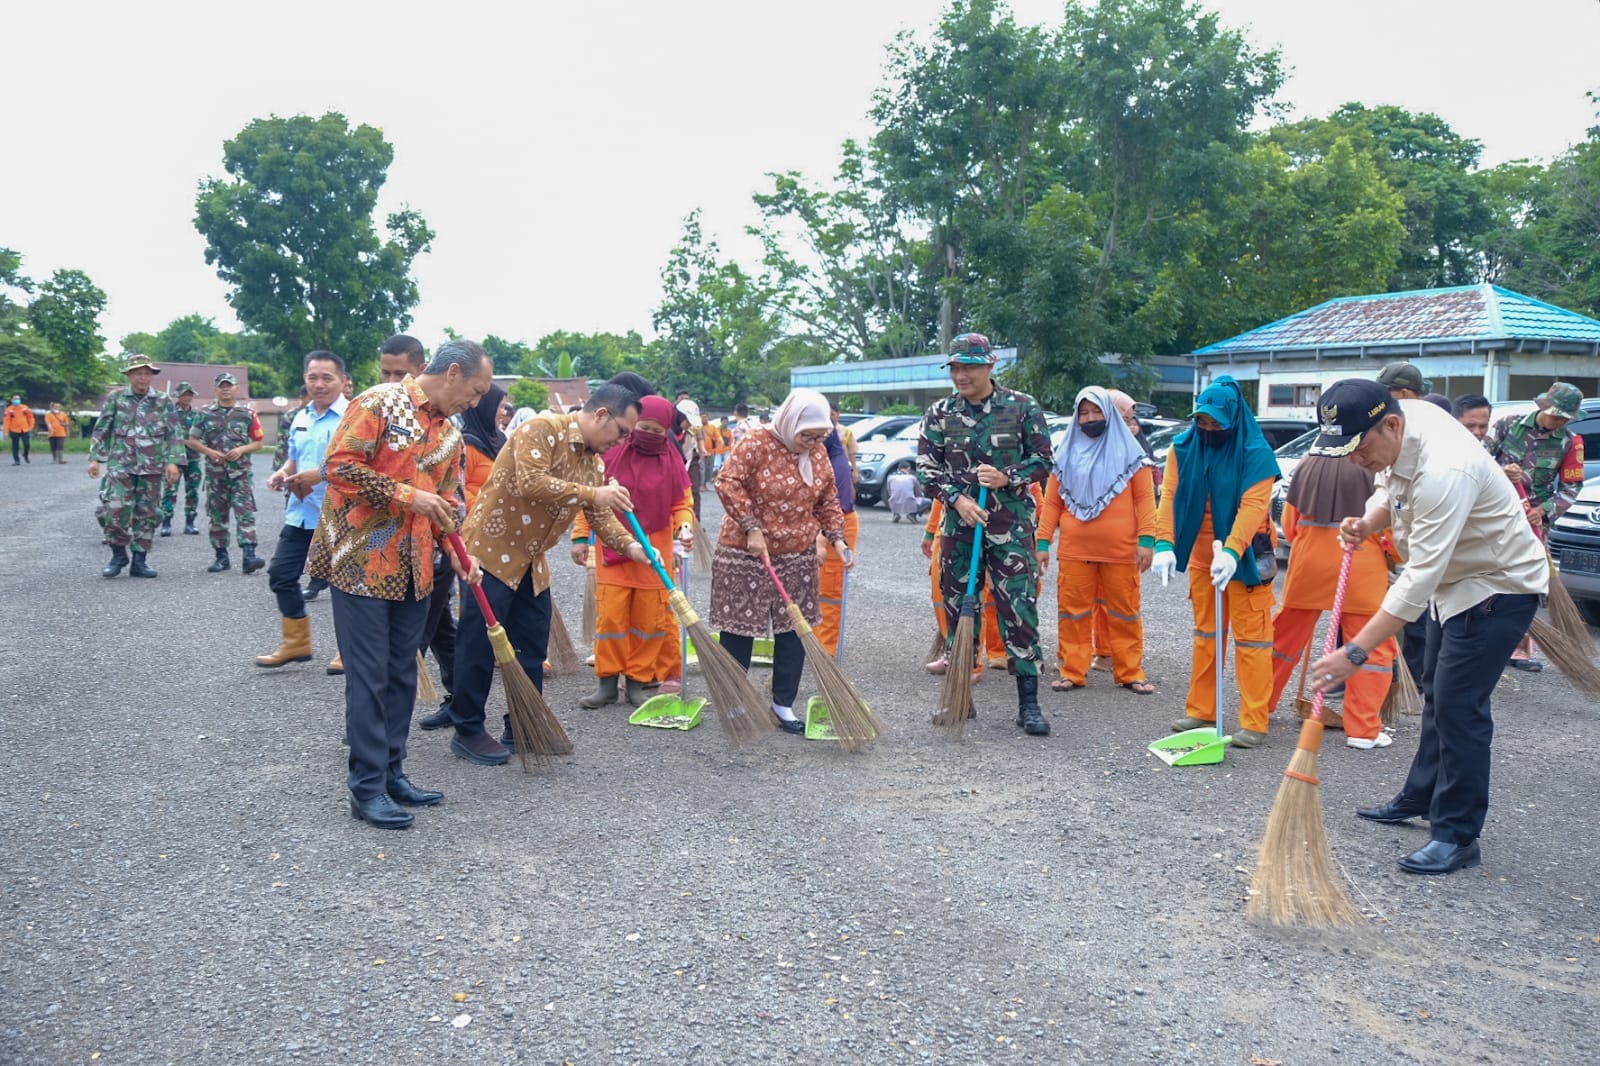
<point>702,548</point>
<point>936,649</point>
<point>427,693</point>
<point>534,726</point>
<point>741,711</point>
<point>564,657</point>
<point>1295,882</point>
<point>591,600</point>
<point>1563,611</point>
<point>955,697</point>
<point>1573,657</point>
<point>1403,697</point>
<point>852,720</point>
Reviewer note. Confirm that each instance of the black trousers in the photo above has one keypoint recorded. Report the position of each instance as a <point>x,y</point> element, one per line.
<point>378,641</point>
<point>440,633</point>
<point>288,562</point>
<point>788,661</point>
<point>57,444</point>
<point>525,617</point>
<point>1414,647</point>
<point>23,441</point>
<point>1463,662</point>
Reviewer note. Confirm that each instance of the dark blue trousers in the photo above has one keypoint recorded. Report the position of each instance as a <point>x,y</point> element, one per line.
<point>378,641</point>
<point>1463,662</point>
<point>526,620</point>
<point>288,562</point>
<point>788,661</point>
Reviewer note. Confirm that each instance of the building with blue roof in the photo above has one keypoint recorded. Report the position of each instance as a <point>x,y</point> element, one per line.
<point>1474,338</point>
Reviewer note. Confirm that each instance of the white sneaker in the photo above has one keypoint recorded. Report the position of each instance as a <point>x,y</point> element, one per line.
<point>1382,740</point>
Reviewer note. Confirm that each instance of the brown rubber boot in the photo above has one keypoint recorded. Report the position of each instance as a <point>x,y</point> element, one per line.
<point>296,646</point>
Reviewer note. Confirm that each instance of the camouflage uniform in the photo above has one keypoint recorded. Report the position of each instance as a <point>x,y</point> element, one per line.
<point>191,472</point>
<point>280,454</point>
<point>1550,475</point>
<point>1007,431</point>
<point>135,438</point>
<point>228,485</point>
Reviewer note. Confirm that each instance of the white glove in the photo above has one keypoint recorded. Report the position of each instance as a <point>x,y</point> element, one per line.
<point>1164,565</point>
<point>1223,564</point>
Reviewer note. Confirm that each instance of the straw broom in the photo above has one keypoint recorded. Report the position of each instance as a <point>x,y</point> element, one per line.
<point>702,547</point>
<point>427,694</point>
<point>852,720</point>
<point>955,698</point>
<point>564,658</point>
<point>1295,882</point>
<point>741,711</point>
<point>537,731</point>
<point>1404,696</point>
<point>1573,656</point>
<point>1563,611</point>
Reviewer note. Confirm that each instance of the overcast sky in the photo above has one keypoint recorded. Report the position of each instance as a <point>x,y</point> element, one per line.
<point>556,148</point>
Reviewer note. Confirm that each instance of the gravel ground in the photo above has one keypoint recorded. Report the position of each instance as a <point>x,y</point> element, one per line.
<point>183,882</point>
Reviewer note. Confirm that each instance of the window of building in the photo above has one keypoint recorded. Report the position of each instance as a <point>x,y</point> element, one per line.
<point>1293,395</point>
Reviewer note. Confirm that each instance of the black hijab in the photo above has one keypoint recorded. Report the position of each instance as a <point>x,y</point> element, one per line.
<point>479,423</point>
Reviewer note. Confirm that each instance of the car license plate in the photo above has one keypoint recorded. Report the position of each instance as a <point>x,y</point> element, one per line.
<point>1580,562</point>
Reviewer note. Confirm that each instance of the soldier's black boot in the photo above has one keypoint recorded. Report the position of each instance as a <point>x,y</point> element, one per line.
<point>251,562</point>
<point>119,559</point>
<point>1029,717</point>
<point>139,569</point>
<point>166,526</point>
<point>189,529</point>
<point>221,562</point>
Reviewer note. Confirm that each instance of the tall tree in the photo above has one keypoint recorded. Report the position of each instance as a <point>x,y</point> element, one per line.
<point>66,315</point>
<point>291,230</point>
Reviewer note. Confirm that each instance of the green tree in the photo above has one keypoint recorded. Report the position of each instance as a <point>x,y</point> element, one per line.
<point>595,356</point>
<point>1555,251</point>
<point>291,230</point>
<point>525,392</point>
<point>66,315</point>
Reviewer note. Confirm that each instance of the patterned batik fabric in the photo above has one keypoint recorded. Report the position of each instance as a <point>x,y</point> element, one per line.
<point>761,487</point>
<point>745,602</point>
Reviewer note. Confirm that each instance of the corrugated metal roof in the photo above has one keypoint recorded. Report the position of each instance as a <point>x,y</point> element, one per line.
<point>1472,312</point>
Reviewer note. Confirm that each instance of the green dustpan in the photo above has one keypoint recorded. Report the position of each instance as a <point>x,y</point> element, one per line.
<point>819,724</point>
<point>667,711</point>
<point>760,654</point>
<point>1192,747</point>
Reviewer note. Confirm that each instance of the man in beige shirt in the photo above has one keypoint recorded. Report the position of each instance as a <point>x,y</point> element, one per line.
<point>549,468</point>
<point>1473,567</point>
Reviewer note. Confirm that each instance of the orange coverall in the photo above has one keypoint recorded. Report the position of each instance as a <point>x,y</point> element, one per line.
<point>1308,591</point>
<point>993,644</point>
<point>1248,612</point>
<point>830,586</point>
<point>1097,565</point>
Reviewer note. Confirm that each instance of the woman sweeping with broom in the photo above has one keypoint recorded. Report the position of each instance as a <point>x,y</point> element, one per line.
<point>1218,486</point>
<point>777,495</point>
<point>636,635</point>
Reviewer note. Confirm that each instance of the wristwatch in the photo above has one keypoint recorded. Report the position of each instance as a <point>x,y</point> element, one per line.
<point>1355,654</point>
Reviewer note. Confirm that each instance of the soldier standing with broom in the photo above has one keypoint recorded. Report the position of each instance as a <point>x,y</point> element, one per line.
<point>1473,567</point>
<point>990,436</point>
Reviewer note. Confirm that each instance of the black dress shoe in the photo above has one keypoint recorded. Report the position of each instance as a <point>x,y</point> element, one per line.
<point>1392,813</point>
<point>401,790</point>
<point>1441,857</point>
<point>437,720</point>
<point>380,812</point>
<point>796,726</point>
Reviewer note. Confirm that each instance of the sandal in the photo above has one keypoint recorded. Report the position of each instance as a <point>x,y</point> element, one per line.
<point>1065,684</point>
<point>1142,688</point>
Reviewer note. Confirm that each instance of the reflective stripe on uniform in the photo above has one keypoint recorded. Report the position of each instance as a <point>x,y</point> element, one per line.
<point>1063,615</point>
<point>1252,644</point>
<point>1201,634</point>
<point>642,635</point>
<point>1123,617</point>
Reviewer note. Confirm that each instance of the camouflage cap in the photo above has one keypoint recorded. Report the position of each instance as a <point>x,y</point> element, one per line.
<point>972,349</point>
<point>183,387</point>
<point>1561,398</point>
<point>225,378</point>
<point>140,362</point>
<point>1403,376</point>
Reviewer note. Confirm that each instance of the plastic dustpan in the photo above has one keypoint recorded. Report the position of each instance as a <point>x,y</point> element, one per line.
<point>1192,747</point>
<point>667,711</point>
<point>819,725</point>
<point>760,654</point>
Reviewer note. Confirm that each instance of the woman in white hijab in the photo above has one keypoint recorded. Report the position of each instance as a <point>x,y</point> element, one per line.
<point>1101,498</point>
<point>777,494</point>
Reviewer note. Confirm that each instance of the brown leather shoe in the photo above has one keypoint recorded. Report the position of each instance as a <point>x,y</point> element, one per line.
<point>296,646</point>
<point>336,664</point>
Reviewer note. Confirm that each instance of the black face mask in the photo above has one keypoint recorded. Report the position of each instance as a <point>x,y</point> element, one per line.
<point>1214,438</point>
<point>1092,429</point>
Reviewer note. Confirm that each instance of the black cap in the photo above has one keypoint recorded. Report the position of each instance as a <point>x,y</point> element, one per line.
<point>1346,410</point>
<point>1402,376</point>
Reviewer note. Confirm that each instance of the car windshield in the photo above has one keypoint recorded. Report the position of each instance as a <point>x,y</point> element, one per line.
<point>911,432</point>
<point>1162,439</point>
<point>1297,448</point>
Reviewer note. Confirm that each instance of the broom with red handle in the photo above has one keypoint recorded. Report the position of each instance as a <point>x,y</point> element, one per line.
<point>1295,882</point>
<point>535,728</point>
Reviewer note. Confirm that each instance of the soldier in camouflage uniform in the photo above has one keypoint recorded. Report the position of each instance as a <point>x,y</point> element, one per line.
<point>137,438</point>
<point>1544,459</point>
<point>227,433</point>
<point>187,417</point>
<point>995,437</point>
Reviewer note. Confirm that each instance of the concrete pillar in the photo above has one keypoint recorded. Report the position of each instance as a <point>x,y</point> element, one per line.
<point>1497,377</point>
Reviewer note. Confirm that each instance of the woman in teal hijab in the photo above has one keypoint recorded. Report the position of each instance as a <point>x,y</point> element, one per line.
<point>1218,486</point>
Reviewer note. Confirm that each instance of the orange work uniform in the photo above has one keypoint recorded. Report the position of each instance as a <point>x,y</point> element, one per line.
<point>994,646</point>
<point>1247,612</point>
<point>635,631</point>
<point>1308,590</point>
<point>1097,564</point>
<point>830,586</point>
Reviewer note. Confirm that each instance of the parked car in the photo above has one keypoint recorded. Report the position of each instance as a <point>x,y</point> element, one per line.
<point>886,446</point>
<point>1575,545</point>
<point>1586,425</point>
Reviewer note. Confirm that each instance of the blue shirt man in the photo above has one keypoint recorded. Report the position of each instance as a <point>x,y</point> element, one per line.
<point>309,437</point>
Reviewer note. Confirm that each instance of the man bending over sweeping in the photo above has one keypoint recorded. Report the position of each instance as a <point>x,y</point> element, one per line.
<point>1473,565</point>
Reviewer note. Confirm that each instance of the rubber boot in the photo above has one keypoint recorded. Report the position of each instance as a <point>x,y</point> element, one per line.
<point>119,559</point>
<point>296,646</point>
<point>166,526</point>
<point>189,528</point>
<point>636,692</point>
<point>221,563</point>
<point>1029,717</point>
<point>604,693</point>
<point>251,561</point>
<point>139,569</point>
